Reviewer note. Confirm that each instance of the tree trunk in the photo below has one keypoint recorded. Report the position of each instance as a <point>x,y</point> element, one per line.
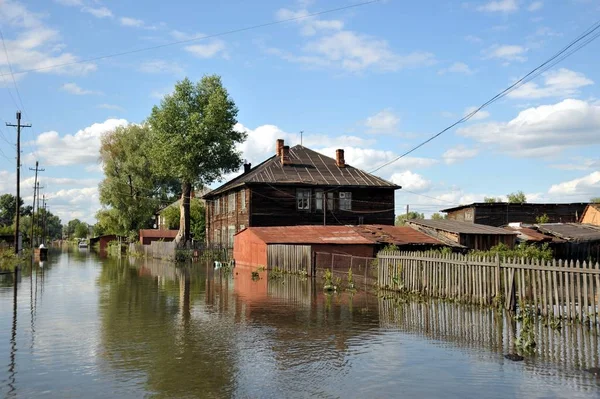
<point>183,237</point>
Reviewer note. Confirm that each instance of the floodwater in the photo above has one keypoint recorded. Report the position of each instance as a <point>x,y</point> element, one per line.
<point>106,328</point>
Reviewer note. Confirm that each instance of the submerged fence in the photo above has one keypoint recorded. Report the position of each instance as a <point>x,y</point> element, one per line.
<point>569,290</point>
<point>364,269</point>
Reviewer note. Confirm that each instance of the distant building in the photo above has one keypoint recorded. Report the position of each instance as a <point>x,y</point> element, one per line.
<point>298,186</point>
<point>591,215</point>
<point>502,213</point>
<point>469,235</point>
<point>580,241</point>
<point>149,235</point>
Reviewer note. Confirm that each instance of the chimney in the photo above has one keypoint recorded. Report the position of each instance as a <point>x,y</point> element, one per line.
<point>247,167</point>
<point>278,147</point>
<point>339,158</point>
<point>285,155</point>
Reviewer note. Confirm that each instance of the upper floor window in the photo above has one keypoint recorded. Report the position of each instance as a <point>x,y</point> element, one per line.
<point>319,200</point>
<point>303,199</point>
<point>345,200</point>
<point>243,199</point>
<point>330,202</point>
<point>231,203</point>
<point>218,206</point>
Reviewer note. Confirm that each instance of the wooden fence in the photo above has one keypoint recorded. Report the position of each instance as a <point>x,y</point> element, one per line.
<point>290,258</point>
<point>160,250</point>
<point>364,269</point>
<point>569,290</point>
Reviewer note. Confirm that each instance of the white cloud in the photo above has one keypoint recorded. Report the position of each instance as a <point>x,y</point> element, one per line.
<point>384,121</point>
<point>35,46</point>
<point>457,67</point>
<point>482,114</point>
<point>507,52</point>
<point>99,12</point>
<point>579,164</point>
<point>473,39</point>
<point>73,88</point>
<point>208,50</point>
<point>136,23</point>
<point>70,3</point>
<point>161,66</point>
<point>411,181</point>
<point>587,186</point>
<point>542,131</point>
<point>81,203</point>
<point>459,153</point>
<point>505,6</point>
<point>309,25</point>
<point>80,148</point>
<point>111,107</point>
<point>535,6</point>
<point>559,83</point>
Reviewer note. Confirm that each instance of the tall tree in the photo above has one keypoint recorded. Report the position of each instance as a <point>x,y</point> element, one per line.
<point>491,200</point>
<point>8,208</point>
<point>130,191</point>
<point>517,198</point>
<point>401,219</point>
<point>194,138</point>
<point>438,216</point>
<point>172,215</point>
<point>595,200</point>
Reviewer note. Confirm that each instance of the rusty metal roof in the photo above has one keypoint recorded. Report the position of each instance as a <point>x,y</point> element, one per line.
<point>308,235</point>
<point>397,235</point>
<point>532,235</point>
<point>307,167</point>
<point>158,233</point>
<point>455,226</point>
<point>575,232</point>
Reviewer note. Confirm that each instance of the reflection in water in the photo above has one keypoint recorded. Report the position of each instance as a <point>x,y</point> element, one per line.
<point>131,328</point>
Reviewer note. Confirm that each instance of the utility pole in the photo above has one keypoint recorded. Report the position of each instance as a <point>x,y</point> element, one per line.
<point>44,221</point>
<point>37,221</point>
<point>35,185</point>
<point>18,206</point>
<point>406,212</point>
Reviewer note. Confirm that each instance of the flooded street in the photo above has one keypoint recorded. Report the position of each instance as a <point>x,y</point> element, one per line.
<point>95,328</point>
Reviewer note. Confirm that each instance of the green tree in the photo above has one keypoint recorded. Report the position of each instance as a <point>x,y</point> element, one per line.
<point>517,198</point>
<point>438,216</point>
<point>130,191</point>
<point>542,219</point>
<point>595,200</point>
<point>491,200</point>
<point>401,219</point>
<point>194,138</point>
<point>81,230</point>
<point>69,228</point>
<point>172,215</point>
<point>7,208</point>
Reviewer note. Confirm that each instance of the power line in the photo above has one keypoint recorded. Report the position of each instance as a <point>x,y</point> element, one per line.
<point>174,43</point>
<point>558,57</point>
<point>11,71</point>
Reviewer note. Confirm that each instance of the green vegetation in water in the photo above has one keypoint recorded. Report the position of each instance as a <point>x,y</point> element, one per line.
<point>526,340</point>
<point>275,273</point>
<point>350,281</point>
<point>328,283</point>
<point>520,251</point>
<point>8,259</point>
<point>255,276</point>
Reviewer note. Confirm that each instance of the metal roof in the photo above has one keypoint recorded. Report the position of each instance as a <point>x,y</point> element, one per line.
<point>572,231</point>
<point>532,235</point>
<point>308,235</point>
<point>504,204</point>
<point>307,167</point>
<point>455,226</point>
<point>397,235</point>
<point>158,233</point>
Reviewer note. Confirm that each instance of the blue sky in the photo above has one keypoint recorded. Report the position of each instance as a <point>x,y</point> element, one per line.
<point>375,79</point>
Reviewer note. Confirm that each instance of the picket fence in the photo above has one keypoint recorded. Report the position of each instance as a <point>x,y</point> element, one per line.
<point>563,289</point>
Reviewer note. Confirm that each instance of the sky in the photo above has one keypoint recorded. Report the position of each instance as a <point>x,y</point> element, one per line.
<point>375,79</point>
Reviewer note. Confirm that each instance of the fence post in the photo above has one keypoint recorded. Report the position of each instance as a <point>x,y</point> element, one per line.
<point>497,274</point>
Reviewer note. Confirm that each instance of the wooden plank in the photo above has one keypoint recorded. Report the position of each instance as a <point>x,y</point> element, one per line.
<point>596,294</point>
<point>533,275</point>
<point>545,290</point>
<point>586,309</point>
<point>555,280</point>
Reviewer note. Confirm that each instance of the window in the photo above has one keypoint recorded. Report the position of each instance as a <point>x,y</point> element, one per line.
<point>217,206</point>
<point>231,203</point>
<point>303,199</point>
<point>361,220</point>
<point>330,202</point>
<point>217,236</point>
<point>346,201</point>
<point>243,199</point>
<point>319,200</point>
<point>230,233</point>
<point>242,227</point>
<point>223,236</point>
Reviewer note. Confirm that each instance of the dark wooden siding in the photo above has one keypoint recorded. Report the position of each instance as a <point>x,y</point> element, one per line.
<point>277,206</point>
<point>219,223</point>
<point>502,214</point>
<point>484,242</point>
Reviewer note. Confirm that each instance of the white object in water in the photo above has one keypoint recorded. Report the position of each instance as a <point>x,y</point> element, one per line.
<point>42,245</point>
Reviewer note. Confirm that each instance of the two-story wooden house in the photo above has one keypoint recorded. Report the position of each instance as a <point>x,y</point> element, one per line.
<point>297,186</point>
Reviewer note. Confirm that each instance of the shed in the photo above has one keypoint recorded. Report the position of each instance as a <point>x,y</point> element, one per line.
<point>149,235</point>
<point>104,240</point>
<point>591,215</point>
<point>403,237</point>
<point>581,241</point>
<point>469,235</point>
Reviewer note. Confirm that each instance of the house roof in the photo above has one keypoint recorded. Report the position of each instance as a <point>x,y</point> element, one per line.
<point>455,226</point>
<point>158,233</point>
<point>589,206</point>
<point>532,235</point>
<point>307,167</point>
<point>308,235</point>
<point>504,204</point>
<point>397,235</point>
<point>572,231</point>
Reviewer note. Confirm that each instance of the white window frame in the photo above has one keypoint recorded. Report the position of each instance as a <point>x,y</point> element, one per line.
<point>345,200</point>
<point>231,203</point>
<point>217,206</point>
<point>243,199</point>
<point>319,200</point>
<point>230,234</point>
<point>330,201</point>
<point>303,199</point>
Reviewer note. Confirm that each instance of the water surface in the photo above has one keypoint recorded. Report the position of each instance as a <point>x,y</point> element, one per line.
<point>96,328</point>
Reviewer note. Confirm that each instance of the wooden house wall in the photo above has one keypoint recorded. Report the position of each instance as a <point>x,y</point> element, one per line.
<point>277,206</point>
<point>503,214</point>
<point>484,242</point>
<point>220,222</point>
<point>591,216</point>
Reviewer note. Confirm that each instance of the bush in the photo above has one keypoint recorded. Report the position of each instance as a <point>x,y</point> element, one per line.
<point>520,251</point>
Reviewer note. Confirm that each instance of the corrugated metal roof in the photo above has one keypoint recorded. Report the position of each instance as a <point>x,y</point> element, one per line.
<point>529,234</point>
<point>455,226</point>
<point>572,231</point>
<point>308,235</point>
<point>504,204</point>
<point>158,233</point>
<point>397,235</point>
<point>307,167</point>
